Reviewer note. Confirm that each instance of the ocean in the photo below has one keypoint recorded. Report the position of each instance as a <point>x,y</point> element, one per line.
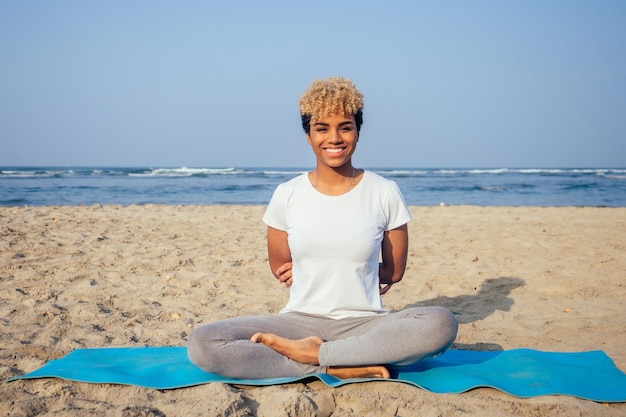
<point>47,186</point>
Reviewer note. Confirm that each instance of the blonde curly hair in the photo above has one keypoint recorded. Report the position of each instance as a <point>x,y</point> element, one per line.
<point>330,96</point>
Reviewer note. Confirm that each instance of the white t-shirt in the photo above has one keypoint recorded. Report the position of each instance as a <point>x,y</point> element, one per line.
<point>335,243</point>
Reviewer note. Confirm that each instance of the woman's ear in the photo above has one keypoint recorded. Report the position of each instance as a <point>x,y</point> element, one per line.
<point>308,138</point>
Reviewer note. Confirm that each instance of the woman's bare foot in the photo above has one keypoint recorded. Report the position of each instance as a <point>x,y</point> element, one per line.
<point>306,351</point>
<point>300,350</point>
<point>375,371</point>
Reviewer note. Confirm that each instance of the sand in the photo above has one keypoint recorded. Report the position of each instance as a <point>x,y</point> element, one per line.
<point>93,276</point>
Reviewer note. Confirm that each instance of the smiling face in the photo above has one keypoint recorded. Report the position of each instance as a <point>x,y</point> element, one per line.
<point>333,139</point>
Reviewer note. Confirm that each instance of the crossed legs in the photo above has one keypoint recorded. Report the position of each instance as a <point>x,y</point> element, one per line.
<point>293,344</point>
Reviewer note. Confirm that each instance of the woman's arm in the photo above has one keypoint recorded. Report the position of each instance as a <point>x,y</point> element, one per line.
<point>279,255</point>
<point>395,248</point>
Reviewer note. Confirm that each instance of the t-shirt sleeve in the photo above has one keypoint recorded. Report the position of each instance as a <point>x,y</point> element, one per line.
<point>398,212</point>
<point>275,212</point>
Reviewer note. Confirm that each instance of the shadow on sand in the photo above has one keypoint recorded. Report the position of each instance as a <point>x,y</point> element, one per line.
<point>493,295</point>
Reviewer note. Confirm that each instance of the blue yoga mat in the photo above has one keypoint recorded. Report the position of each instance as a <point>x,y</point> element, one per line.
<point>520,372</point>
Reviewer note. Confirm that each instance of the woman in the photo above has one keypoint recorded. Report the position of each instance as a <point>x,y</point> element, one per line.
<point>327,231</point>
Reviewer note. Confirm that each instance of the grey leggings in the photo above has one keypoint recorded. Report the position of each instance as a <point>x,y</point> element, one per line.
<point>397,338</point>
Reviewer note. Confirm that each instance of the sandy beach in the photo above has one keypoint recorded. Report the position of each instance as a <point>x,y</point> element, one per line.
<point>96,276</point>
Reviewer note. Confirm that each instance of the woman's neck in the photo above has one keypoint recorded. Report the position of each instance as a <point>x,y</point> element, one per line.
<point>335,182</point>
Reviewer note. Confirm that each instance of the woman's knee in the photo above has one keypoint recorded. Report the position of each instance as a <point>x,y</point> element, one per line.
<point>194,347</point>
<point>446,323</point>
<point>200,349</point>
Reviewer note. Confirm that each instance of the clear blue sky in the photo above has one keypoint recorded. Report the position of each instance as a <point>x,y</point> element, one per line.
<point>216,84</point>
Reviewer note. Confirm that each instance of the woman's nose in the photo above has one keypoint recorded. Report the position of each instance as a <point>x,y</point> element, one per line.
<point>335,137</point>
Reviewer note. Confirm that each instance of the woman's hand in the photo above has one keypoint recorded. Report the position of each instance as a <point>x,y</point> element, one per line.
<point>284,274</point>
